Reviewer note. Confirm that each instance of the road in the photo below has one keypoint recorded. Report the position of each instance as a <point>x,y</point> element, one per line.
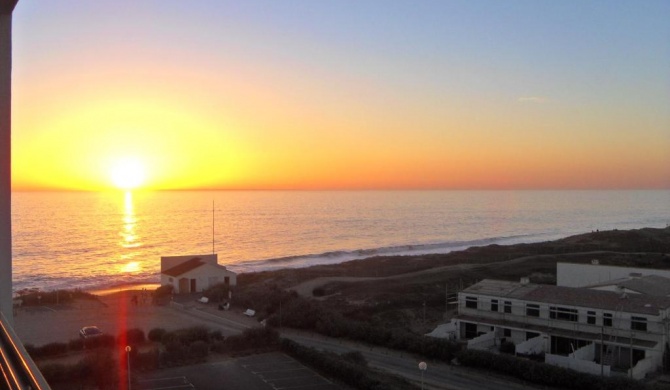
<point>437,376</point>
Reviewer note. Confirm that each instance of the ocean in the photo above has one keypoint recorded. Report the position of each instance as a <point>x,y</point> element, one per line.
<point>96,240</point>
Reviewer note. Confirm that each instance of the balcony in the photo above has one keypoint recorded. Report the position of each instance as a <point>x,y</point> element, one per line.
<point>18,370</point>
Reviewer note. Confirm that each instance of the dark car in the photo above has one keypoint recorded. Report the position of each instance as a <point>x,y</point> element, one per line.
<point>89,331</point>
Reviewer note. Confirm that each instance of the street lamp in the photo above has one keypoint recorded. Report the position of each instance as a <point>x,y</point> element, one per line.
<point>422,368</point>
<point>128,349</point>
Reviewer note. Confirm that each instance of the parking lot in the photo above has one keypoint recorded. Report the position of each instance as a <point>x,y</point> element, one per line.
<point>272,371</point>
<point>282,372</point>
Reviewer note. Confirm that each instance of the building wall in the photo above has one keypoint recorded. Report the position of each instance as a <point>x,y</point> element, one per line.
<point>580,275</point>
<point>517,320</point>
<point>205,276</point>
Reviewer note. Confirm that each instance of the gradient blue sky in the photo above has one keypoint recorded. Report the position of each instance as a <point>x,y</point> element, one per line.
<point>344,94</point>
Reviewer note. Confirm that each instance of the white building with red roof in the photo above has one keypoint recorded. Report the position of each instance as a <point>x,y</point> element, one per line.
<point>189,274</point>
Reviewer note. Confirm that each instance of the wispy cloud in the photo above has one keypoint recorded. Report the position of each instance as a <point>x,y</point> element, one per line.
<point>531,99</point>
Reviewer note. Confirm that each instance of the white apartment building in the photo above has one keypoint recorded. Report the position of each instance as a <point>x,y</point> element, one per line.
<point>572,327</point>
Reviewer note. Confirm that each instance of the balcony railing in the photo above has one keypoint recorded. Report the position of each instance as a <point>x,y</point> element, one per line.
<point>17,369</point>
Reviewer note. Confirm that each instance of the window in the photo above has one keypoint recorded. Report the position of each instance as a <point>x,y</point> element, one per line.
<point>494,305</point>
<point>638,323</point>
<point>607,319</point>
<point>507,332</point>
<point>563,313</point>
<point>591,317</point>
<point>507,307</point>
<point>532,310</point>
<point>471,302</point>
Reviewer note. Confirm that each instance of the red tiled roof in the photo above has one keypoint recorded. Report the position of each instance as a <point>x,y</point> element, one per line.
<point>184,267</point>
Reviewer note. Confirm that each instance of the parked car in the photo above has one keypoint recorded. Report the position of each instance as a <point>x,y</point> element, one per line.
<point>88,332</point>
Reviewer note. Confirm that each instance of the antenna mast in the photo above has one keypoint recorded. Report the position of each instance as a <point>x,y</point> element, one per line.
<point>213,251</point>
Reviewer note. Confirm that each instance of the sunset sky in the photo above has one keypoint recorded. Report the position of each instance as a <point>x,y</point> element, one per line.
<point>342,94</point>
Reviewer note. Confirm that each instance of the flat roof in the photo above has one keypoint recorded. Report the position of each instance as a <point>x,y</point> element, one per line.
<point>571,296</point>
<point>650,285</point>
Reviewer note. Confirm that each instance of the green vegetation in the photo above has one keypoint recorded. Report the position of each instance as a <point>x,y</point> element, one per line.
<point>350,368</point>
<point>163,349</point>
<point>56,297</point>
<point>544,374</point>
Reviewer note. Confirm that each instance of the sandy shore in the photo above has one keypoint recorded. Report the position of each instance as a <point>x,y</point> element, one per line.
<point>115,312</point>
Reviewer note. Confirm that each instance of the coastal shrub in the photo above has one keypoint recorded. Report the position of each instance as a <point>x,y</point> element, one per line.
<point>265,298</point>
<point>163,294</point>
<point>544,374</point>
<point>507,347</point>
<point>35,298</point>
<point>75,344</point>
<point>215,335</point>
<point>156,334</point>
<point>93,371</point>
<point>198,350</point>
<point>102,341</point>
<point>146,361</point>
<point>319,292</point>
<point>217,293</point>
<point>54,373</point>
<point>353,373</point>
<point>187,336</point>
<point>51,349</point>
<point>219,346</point>
<point>251,339</point>
<point>305,314</point>
<point>133,336</point>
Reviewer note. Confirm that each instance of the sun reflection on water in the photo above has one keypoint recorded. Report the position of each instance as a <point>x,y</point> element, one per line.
<point>129,237</point>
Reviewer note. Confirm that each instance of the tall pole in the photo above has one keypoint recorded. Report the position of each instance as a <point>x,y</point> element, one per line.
<point>213,251</point>
<point>6,8</point>
<point>602,357</point>
<point>422,367</point>
<point>128,360</point>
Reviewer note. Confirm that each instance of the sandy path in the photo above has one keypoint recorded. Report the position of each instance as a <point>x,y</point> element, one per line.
<point>305,288</point>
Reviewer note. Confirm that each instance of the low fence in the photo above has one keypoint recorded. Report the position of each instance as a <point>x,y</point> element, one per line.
<point>483,342</point>
<point>587,352</point>
<point>586,366</point>
<point>533,346</point>
<point>643,367</point>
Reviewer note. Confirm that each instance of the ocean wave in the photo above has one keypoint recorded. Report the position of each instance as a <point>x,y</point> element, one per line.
<point>334,257</point>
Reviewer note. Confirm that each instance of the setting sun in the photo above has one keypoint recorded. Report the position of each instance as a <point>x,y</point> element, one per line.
<point>128,174</point>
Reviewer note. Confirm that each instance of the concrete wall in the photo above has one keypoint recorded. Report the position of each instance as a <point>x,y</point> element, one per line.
<point>587,352</point>
<point>586,366</point>
<point>205,276</point>
<point>445,331</point>
<point>643,367</point>
<point>580,275</point>
<point>533,346</point>
<point>6,161</point>
<point>483,342</point>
